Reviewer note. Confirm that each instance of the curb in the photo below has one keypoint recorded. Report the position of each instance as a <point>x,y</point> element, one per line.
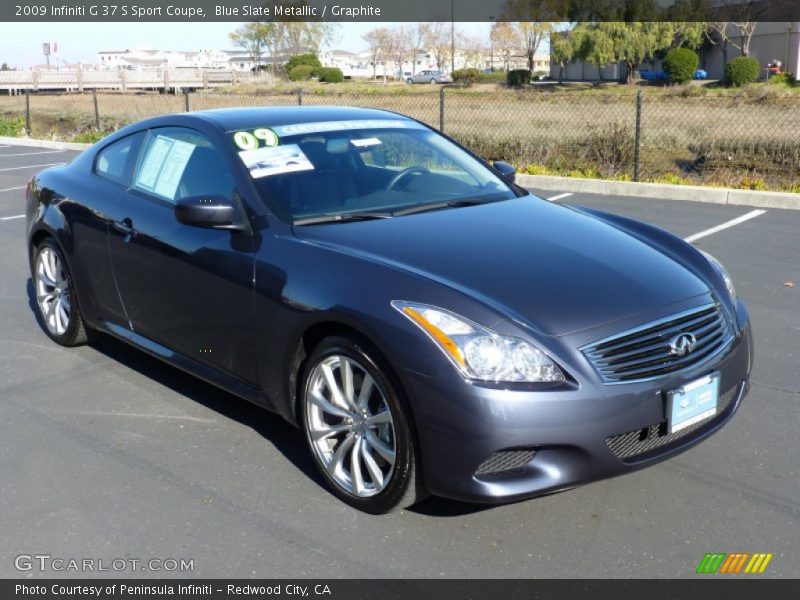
<point>15,141</point>
<point>662,191</point>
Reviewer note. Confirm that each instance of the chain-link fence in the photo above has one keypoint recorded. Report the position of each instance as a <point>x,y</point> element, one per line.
<point>736,140</point>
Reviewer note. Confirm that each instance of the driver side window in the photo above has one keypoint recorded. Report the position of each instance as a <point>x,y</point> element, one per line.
<point>178,162</point>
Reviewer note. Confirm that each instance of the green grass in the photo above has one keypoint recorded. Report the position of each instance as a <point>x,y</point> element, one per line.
<point>11,127</point>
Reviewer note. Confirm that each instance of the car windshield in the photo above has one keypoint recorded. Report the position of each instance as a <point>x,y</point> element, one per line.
<point>362,169</point>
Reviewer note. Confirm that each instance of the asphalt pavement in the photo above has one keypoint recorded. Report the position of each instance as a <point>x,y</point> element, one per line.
<point>106,453</point>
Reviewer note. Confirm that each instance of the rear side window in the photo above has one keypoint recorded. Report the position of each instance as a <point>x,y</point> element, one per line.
<point>178,162</point>
<point>115,162</point>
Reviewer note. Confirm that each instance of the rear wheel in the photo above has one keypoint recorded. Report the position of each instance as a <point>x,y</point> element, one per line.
<point>358,427</point>
<point>433,81</point>
<point>55,296</point>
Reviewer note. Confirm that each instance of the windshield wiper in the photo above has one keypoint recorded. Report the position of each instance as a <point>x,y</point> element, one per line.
<point>341,218</point>
<point>419,208</point>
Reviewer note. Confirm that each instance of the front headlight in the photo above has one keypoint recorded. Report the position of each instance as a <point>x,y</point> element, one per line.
<point>723,273</point>
<point>480,353</point>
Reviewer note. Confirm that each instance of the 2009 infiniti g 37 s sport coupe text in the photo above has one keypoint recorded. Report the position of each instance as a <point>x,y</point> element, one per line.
<point>429,325</point>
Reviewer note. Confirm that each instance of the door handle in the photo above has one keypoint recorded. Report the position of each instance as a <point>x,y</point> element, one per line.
<point>125,227</point>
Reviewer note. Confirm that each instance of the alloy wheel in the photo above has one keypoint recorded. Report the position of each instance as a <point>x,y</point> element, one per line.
<point>52,291</point>
<point>350,426</point>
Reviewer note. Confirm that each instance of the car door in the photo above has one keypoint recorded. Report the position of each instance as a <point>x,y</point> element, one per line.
<point>187,288</point>
<point>88,217</point>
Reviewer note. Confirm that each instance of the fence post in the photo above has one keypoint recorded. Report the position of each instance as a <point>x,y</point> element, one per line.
<point>299,96</point>
<point>441,109</point>
<point>27,112</point>
<point>186,101</point>
<point>638,147</point>
<point>96,109</point>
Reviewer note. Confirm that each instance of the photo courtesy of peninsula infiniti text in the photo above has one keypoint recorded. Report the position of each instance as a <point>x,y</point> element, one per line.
<point>428,325</point>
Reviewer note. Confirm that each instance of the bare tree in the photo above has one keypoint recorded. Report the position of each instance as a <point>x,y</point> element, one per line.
<point>472,49</point>
<point>503,41</point>
<point>374,39</point>
<point>415,43</point>
<point>531,34</point>
<point>437,40</point>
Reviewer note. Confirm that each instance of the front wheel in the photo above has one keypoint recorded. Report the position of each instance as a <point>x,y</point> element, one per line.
<point>358,427</point>
<point>55,296</point>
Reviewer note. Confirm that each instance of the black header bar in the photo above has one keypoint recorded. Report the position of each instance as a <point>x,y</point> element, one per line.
<point>398,10</point>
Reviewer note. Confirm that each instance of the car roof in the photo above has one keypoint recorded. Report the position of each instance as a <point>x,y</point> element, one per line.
<point>232,119</point>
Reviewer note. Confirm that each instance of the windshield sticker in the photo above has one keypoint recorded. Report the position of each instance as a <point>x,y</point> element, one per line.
<point>365,142</point>
<point>301,128</point>
<point>266,161</point>
<point>163,166</point>
<point>250,140</point>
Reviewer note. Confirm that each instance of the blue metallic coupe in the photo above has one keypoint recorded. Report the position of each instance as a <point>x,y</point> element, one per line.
<point>429,325</point>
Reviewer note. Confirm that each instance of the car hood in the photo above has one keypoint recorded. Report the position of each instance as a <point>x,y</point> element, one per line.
<point>553,268</point>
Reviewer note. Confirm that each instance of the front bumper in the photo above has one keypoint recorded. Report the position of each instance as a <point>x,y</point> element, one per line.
<point>548,441</point>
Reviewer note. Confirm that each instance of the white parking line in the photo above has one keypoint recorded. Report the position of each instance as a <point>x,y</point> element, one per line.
<point>751,215</point>
<point>11,218</point>
<point>31,153</point>
<point>22,187</point>
<point>559,197</point>
<point>33,166</point>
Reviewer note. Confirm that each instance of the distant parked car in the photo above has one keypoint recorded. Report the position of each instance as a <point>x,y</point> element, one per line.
<point>648,75</point>
<point>700,74</point>
<point>430,76</point>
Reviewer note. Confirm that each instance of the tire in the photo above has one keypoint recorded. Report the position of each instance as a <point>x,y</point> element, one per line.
<point>394,485</point>
<point>409,81</point>
<point>56,300</point>
<point>433,81</point>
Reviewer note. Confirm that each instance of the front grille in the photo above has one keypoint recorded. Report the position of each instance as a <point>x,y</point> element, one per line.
<point>644,353</point>
<point>636,443</point>
<point>505,462</point>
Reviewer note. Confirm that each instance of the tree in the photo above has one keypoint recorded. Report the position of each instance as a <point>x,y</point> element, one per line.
<point>472,49</point>
<point>374,40</point>
<point>307,36</point>
<point>503,41</point>
<point>437,40</point>
<point>531,34</point>
<point>253,38</point>
<point>595,47</point>
<point>630,43</point>
<point>383,45</point>
<point>562,49</point>
<point>738,34</point>
<point>4,67</point>
<point>414,43</point>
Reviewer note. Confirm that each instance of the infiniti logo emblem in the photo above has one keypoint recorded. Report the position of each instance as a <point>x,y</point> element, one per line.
<point>682,344</point>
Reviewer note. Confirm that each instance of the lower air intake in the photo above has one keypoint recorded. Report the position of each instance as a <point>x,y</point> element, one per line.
<point>504,463</point>
<point>639,442</point>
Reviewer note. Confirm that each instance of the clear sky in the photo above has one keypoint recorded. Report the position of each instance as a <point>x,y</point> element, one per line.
<point>21,43</point>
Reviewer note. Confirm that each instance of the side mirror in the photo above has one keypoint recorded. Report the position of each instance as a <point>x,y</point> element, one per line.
<point>507,172</point>
<point>208,210</point>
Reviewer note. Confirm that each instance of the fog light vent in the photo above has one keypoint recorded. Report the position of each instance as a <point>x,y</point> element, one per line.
<point>505,462</point>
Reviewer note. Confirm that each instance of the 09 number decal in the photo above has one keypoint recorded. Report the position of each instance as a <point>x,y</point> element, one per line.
<point>247,140</point>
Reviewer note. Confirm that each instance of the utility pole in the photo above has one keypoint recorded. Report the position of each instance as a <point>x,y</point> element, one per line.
<point>491,44</point>
<point>452,36</point>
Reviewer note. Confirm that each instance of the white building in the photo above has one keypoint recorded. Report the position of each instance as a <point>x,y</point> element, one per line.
<point>144,58</point>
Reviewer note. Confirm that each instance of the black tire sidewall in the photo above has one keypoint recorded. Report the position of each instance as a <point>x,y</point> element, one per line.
<point>405,466</point>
